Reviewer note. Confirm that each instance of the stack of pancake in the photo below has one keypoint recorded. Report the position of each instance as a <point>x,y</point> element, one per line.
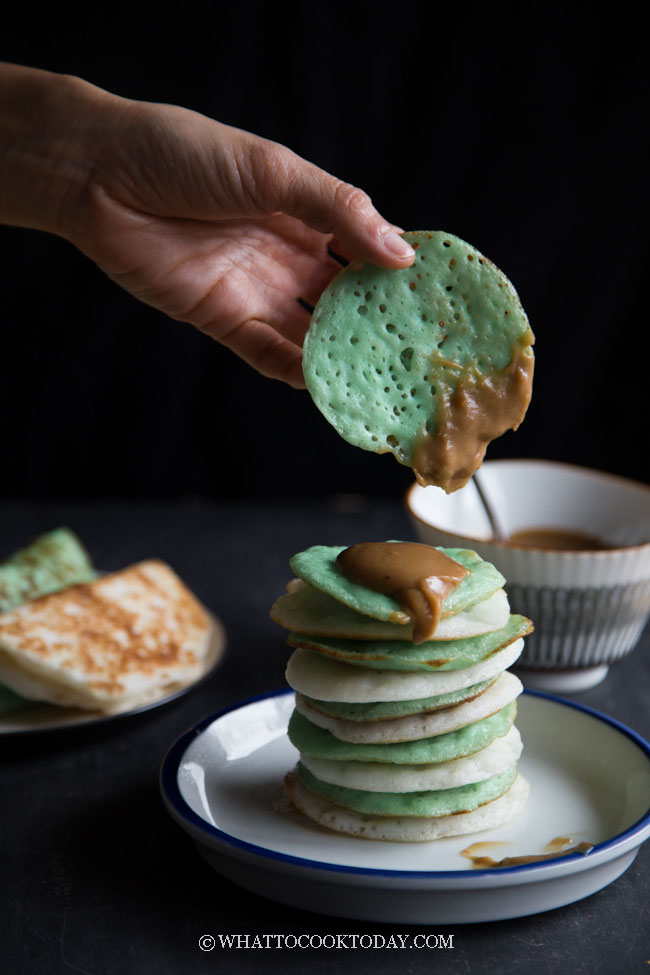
<point>402,737</point>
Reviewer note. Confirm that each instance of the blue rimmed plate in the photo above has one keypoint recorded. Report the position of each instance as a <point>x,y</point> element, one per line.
<point>589,777</point>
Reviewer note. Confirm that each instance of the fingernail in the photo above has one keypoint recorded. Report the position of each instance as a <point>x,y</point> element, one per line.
<point>397,245</point>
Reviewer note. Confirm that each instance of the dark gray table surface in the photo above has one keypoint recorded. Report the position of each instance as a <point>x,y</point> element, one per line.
<point>96,878</point>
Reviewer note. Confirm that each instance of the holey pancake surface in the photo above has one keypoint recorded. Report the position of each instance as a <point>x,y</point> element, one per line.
<point>505,690</point>
<point>429,362</point>
<point>325,679</point>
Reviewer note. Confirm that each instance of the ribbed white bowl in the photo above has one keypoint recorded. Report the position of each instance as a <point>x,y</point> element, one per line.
<point>589,608</point>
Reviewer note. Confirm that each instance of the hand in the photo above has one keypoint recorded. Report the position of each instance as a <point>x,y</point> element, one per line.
<point>210,224</point>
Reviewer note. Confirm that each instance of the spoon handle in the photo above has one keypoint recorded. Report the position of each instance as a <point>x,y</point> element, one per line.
<point>498,531</point>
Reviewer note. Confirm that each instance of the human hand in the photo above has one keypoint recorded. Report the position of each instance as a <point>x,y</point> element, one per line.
<point>210,224</point>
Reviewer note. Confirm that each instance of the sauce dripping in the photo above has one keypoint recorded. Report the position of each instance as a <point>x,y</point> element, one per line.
<point>418,577</point>
<point>479,409</point>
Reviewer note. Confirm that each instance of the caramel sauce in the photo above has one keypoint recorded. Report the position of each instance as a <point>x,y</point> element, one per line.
<point>556,539</point>
<point>559,843</point>
<point>480,409</point>
<point>418,576</point>
<point>558,847</point>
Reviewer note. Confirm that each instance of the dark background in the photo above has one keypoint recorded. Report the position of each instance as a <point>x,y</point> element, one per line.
<point>524,135</point>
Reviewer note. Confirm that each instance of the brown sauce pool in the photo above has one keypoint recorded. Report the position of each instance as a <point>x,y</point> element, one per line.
<point>556,539</point>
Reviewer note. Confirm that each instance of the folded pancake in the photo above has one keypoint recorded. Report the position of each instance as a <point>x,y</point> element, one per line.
<point>117,642</point>
<point>432,802</point>
<point>306,610</point>
<point>317,742</point>
<point>380,710</point>
<point>404,828</point>
<point>325,679</point>
<point>318,567</point>
<point>502,692</point>
<point>50,563</point>
<point>437,655</point>
<point>498,757</point>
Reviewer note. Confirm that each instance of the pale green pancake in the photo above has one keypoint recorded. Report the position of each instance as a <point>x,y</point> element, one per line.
<point>381,710</point>
<point>326,679</point>
<point>318,743</point>
<point>498,757</point>
<point>317,567</point>
<point>441,802</point>
<point>414,727</point>
<point>438,655</point>
<point>386,348</point>
<point>10,702</point>
<point>52,562</point>
<point>407,829</point>
<point>306,610</point>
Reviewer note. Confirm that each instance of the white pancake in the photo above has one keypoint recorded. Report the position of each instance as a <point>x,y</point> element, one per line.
<point>415,726</point>
<point>304,610</point>
<point>326,679</point>
<point>498,757</point>
<point>125,639</point>
<point>406,829</point>
<point>485,617</point>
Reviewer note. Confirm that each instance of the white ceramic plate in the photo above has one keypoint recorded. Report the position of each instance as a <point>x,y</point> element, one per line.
<point>33,718</point>
<point>589,778</point>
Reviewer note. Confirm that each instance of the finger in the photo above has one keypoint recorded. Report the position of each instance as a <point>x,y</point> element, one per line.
<point>284,181</point>
<point>263,348</point>
<point>339,251</point>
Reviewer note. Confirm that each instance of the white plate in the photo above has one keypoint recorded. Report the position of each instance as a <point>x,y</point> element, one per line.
<point>33,718</point>
<point>589,778</point>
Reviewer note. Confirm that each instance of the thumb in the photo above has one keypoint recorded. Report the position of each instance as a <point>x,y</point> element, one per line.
<point>286,182</point>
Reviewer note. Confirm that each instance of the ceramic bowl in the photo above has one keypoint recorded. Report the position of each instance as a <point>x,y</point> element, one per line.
<point>588,607</point>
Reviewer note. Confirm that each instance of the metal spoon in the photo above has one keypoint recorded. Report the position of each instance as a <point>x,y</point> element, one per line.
<point>498,532</point>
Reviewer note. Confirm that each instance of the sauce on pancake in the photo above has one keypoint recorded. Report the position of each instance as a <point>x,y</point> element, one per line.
<point>479,410</point>
<point>418,576</point>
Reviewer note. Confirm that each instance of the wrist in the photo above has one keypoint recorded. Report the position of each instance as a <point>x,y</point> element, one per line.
<point>47,146</point>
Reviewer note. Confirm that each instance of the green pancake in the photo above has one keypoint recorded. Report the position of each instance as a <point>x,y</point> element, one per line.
<point>432,655</point>
<point>10,702</point>
<point>318,568</point>
<point>318,743</point>
<point>381,710</point>
<point>306,610</point>
<point>440,802</point>
<point>387,350</point>
<point>52,562</point>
